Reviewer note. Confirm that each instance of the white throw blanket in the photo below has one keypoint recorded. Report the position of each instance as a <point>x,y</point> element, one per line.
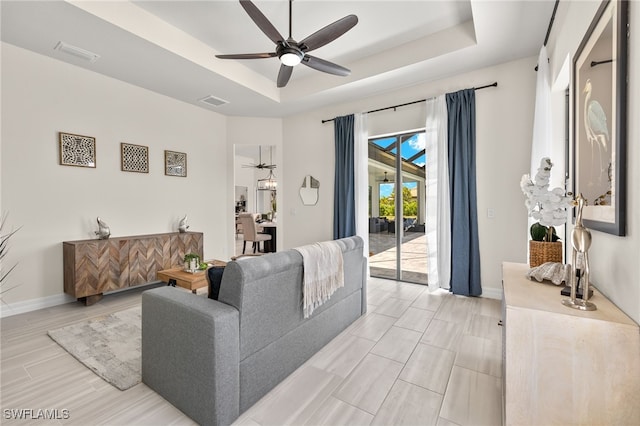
<point>323,273</point>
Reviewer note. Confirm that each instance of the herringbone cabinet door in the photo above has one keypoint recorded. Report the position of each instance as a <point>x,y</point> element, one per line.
<point>182,244</point>
<point>147,257</point>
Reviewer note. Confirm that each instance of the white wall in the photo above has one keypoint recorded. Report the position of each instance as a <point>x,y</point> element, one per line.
<point>504,126</point>
<point>53,203</point>
<point>613,260</point>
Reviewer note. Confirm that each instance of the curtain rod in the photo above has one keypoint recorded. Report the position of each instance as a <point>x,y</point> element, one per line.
<point>494,84</point>
<point>553,18</point>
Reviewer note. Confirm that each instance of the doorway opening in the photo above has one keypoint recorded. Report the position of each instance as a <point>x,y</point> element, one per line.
<point>397,206</point>
<point>255,194</point>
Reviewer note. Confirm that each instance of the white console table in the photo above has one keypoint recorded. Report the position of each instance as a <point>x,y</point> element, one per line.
<point>563,366</point>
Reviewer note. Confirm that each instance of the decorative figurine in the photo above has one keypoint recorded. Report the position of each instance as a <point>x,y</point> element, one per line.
<point>182,225</point>
<point>581,241</point>
<point>103,231</point>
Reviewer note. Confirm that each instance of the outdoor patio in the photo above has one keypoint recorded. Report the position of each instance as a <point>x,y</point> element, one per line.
<point>382,256</point>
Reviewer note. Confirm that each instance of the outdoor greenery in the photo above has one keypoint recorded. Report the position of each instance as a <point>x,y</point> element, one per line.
<point>409,204</point>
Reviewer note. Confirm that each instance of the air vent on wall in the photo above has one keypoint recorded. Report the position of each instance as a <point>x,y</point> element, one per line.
<point>213,101</point>
<point>77,52</point>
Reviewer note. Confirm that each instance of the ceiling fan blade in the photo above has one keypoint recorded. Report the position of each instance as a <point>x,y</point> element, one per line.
<point>284,75</point>
<point>328,33</point>
<point>248,56</point>
<point>325,66</point>
<point>261,21</point>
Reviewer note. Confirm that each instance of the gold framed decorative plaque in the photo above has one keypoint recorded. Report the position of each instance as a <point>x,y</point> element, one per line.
<point>77,150</point>
<point>175,163</point>
<point>134,158</point>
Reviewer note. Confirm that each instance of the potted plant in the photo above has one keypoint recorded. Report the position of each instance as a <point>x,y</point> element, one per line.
<point>191,261</point>
<point>549,208</point>
<point>4,248</point>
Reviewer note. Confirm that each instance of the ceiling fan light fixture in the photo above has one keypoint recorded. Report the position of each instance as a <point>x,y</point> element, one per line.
<point>291,57</point>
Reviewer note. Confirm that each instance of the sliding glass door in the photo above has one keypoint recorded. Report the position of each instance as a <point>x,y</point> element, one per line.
<point>397,239</point>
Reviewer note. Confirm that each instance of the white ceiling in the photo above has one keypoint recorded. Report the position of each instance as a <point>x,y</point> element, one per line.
<point>169,46</point>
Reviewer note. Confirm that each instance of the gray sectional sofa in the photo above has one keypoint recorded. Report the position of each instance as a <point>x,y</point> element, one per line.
<point>213,359</point>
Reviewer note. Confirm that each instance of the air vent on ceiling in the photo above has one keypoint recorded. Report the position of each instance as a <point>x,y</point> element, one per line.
<point>76,51</point>
<point>213,101</point>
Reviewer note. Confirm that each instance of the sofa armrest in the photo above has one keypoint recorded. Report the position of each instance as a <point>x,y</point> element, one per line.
<point>190,353</point>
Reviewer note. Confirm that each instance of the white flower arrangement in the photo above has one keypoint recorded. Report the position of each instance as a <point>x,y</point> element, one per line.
<point>549,207</point>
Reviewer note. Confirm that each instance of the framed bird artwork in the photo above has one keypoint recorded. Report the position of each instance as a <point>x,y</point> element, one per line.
<point>599,94</point>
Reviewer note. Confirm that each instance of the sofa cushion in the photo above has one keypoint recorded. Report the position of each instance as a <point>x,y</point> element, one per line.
<point>267,291</point>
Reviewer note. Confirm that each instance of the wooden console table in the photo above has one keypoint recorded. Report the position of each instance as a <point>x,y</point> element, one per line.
<point>564,366</point>
<point>94,267</point>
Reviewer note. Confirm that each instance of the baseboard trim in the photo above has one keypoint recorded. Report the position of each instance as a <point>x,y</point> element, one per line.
<point>10,309</point>
<point>492,293</point>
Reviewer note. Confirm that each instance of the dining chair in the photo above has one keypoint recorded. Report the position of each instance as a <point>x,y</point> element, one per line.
<point>250,231</point>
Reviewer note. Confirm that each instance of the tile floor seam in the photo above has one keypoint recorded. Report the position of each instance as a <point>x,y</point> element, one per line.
<point>420,386</point>
<point>385,315</point>
<point>445,392</point>
<point>324,400</point>
<point>412,329</point>
<point>471,369</point>
<point>351,405</point>
<point>360,337</point>
<point>474,371</point>
<point>384,400</point>
<point>439,348</point>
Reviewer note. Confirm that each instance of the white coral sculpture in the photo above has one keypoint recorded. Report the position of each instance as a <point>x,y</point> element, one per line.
<point>549,207</point>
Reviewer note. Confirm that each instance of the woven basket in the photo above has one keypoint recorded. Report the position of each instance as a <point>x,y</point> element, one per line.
<point>541,252</point>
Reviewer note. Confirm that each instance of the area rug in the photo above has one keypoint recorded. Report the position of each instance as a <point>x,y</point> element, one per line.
<point>110,346</point>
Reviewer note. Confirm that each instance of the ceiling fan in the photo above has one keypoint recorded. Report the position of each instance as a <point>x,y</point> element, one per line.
<point>291,52</point>
<point>261,165</point>
<point>386,179</point>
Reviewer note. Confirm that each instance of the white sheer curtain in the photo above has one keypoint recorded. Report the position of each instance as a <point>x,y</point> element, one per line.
<point>361,180</point>
<point>438,224</point>
<point>542,133</point>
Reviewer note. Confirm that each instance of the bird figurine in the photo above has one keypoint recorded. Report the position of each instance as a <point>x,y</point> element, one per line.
<point>182,225</point>
<point>595,126</point>
<point>581,242</point>
<point>103,231</point>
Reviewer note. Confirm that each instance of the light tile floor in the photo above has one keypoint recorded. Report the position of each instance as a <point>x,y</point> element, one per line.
<point>415,358</point>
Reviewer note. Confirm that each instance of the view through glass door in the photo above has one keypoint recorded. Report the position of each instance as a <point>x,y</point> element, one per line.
<point>397,211</point>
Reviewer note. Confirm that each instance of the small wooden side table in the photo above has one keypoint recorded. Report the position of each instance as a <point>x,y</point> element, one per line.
<point>188,280</point>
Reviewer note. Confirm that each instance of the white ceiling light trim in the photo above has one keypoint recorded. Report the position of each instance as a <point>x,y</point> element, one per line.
<point>76,51</point>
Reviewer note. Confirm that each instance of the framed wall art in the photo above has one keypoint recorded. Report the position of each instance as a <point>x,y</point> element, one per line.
<point>134,158</point>
<point>600,119</point>
<point>175,163</point>
<point>77,150</point>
